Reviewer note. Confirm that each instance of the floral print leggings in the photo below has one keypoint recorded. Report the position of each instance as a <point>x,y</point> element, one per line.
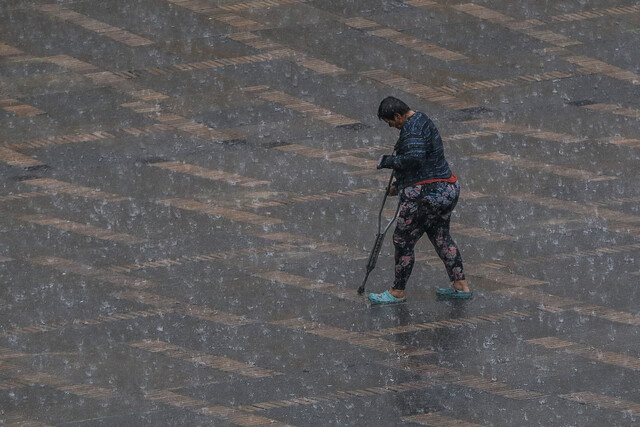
<point>427,209</point>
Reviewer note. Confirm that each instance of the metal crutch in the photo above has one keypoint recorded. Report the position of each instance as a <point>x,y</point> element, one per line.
<point>377,246</point>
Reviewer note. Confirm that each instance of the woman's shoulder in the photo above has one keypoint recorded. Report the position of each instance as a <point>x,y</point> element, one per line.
<point>416,123</point>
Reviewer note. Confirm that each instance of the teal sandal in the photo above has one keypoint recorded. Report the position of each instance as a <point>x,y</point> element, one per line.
<point>452,293</point>
<point>385,298</point>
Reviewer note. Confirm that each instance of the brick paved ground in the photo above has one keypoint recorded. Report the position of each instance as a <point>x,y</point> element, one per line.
<point>189,196</point>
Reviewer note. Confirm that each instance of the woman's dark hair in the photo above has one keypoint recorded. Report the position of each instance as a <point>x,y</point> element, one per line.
<point>391,106</point>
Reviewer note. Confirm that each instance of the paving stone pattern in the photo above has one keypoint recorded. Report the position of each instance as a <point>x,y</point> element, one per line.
<point>189,197</point>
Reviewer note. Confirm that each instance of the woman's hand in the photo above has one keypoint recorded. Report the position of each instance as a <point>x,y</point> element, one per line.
<point>384,162</point>
<point>393,190</point>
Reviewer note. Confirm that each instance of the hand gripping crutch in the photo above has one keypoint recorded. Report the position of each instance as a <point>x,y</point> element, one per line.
<point>377,246</point>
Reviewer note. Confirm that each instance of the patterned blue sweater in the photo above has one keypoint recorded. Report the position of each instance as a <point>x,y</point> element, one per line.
<point>419,153</point>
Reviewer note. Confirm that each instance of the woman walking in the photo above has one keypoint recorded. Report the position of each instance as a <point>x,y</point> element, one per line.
<point>428,193</point>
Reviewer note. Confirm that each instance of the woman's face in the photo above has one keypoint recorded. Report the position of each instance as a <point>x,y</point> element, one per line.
<point>397,122</point>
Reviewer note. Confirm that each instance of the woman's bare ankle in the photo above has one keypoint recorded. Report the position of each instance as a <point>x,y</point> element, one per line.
<point>461,285</point>
<point>397,293</point>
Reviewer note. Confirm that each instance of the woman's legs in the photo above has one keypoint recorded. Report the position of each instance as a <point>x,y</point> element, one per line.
<point>430,213</point>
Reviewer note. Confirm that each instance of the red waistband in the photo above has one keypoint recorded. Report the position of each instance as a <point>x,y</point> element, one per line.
<point>451,180</point>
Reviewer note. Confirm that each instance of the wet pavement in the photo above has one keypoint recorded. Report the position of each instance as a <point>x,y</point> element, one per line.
<point>189,198</point>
